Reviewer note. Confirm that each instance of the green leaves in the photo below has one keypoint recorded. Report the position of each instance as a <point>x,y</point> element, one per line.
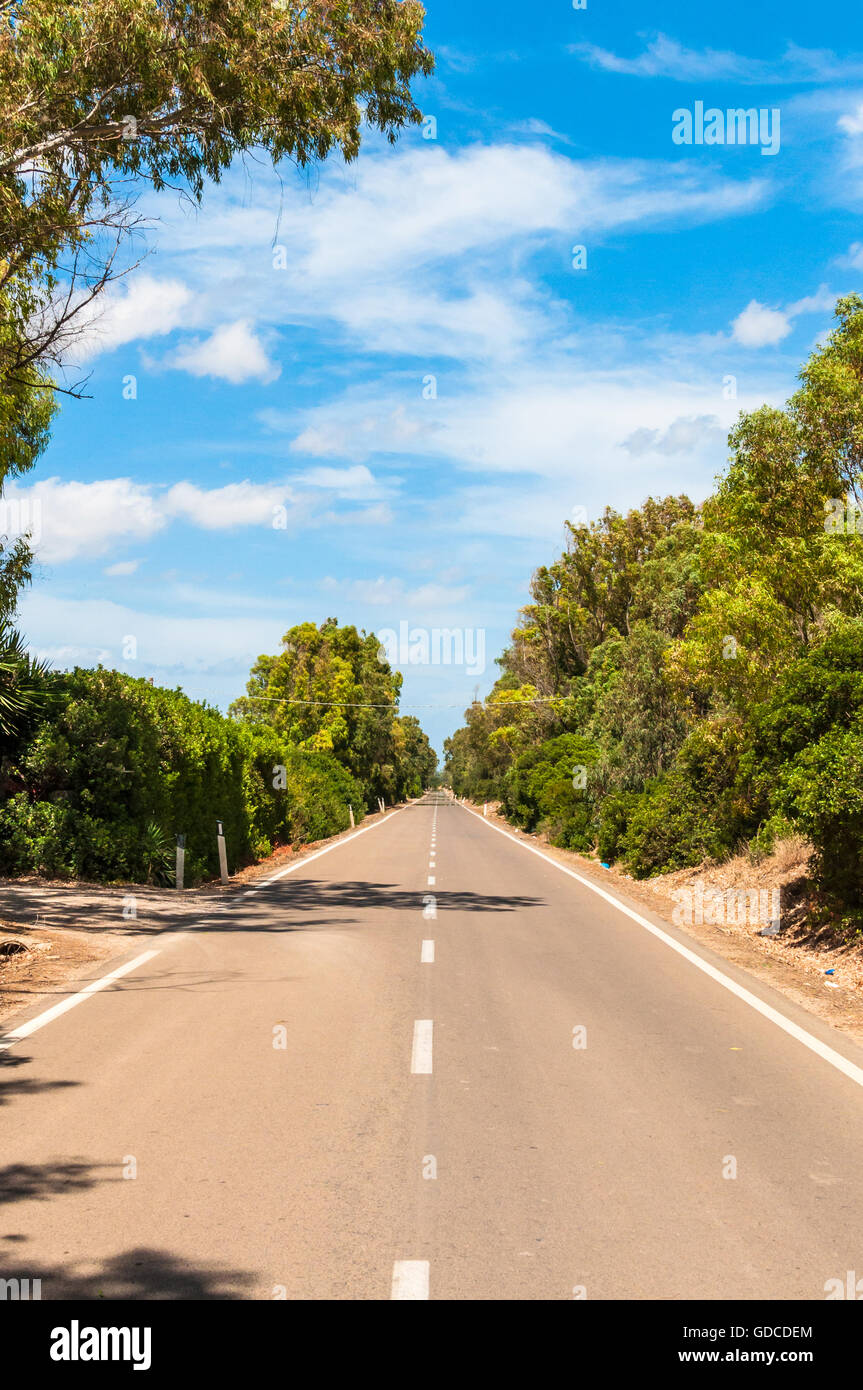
<point>714,656</point>
<point>23,683</point>
<point>328,691</point>
<point>97,93</point>
<point>114,768</point>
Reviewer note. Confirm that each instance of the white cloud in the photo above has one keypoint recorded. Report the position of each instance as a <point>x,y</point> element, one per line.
<point>665,57</point>
<point>427,251</point>
<point>758,326</point>
<point>73,521</point>
<point>393,592</point>
<point>357,481</point>
<point>232,353</point>
<point>168,644</point>
<point>552,420</point>
<point>225,508</point>
<point>378,515</point>
<point>144,308</point>
<point>533,126</point>
<point>852,124</point>
<point>121,569</point>
<point>823,301</point>
<point>428,206</point>
<point>683,436</point>
<point>70,519</point>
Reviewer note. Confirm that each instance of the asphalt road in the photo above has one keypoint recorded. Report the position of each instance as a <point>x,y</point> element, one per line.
<point>301,1096</point>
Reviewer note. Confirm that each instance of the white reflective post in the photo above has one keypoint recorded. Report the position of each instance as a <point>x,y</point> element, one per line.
<point>223,858</point>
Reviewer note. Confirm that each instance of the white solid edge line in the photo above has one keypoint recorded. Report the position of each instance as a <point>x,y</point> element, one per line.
<point>427,953</point>
<point>16,1034</point>
<point>57,1009</point>
<point>421,1052</point>
<point>410,1280</point>
<point>822,1050</point>
<point>24,1031</point>
<point>307,858</point>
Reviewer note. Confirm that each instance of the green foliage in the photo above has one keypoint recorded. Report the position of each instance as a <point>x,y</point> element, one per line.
<point>712,657</point>
<point>98,94</point>
<point>415,759</point>
<point>806,755</point>
<point>23,683</point>
<point>116,768</point>
<point>330,690</point>
<point>636,720</point>
<point>157,852</point>
<point>822,791</point>
<point>547,789</point>
<point>293,795</point>
<point>614,812</point>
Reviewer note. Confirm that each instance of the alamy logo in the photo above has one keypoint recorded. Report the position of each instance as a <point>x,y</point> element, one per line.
<point>733,127</point>
<point>720,906</point>
<point>849,1287</point>
<point>438,646</point>
<point>21,516</point>
<point>77,1343</point>
<point>844,516</point>
<point>20,1290</point>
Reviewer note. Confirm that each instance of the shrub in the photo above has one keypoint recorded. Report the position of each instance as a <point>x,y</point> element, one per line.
<point>539,794</point>
<point>118,767</point>
<point>806,755</point>
<point>696,811</point>
<point>614,813</point>
<point>822,791</point>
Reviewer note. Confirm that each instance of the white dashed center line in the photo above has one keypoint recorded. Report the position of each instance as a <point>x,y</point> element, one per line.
<point>411,1279</point>
<point>421,1053</point>
<point>427,954</point>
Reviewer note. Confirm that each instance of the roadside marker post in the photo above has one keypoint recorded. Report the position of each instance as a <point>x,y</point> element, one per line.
<point>351,814</point>
<point>223,858</point>
<point>181,860</point>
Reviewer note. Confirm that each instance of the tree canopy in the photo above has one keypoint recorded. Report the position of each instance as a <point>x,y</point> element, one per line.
<point>329,689</point>
<point>709,656</point>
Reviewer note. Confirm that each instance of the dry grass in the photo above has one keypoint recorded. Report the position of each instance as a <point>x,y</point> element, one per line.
<point>814,945</point>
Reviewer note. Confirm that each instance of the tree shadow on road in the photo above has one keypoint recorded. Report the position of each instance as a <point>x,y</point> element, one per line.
<point>278,907</point>
<point>306,903</point>
<point>140,1273</point>
<point>22,1182</point>
<point>11,1087</point>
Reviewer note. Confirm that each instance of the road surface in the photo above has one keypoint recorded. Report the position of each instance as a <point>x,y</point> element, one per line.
<point>428,1063</point>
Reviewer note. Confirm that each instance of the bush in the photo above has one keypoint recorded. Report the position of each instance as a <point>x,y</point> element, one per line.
<point>822,791</point>
<point>696,811</point>
<point>670,827</point>
<point>614,813</point>
<point>539,792</point>
<point>807,756</point>
<point>772,830</point>
<point>118,768</point>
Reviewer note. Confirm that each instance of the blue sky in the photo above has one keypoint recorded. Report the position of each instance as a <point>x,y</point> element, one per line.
<point>282,338</point>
